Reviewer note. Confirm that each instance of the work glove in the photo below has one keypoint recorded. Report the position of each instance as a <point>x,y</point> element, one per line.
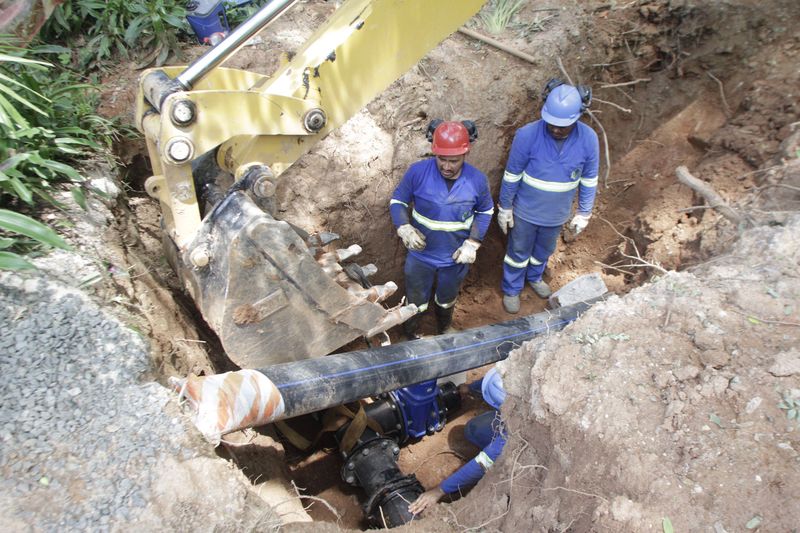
<point>413,239</point>
<point>505,218</point>
<point>466,252</point>
<point>578,223</point>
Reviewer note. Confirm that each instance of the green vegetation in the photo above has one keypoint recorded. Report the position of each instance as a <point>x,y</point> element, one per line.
<point>103,29</point>
<point>500,14</point>
<point>47,122</point>
<point>236,14</point>
<point>791,406</point>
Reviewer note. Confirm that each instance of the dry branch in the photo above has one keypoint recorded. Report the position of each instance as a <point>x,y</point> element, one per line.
<point>624,84</point>
<point>612,104</point>
<point>709,194</point>
<point>327,505</point>
<point>765,320</point>
<point>637,260</point>
<point>725,108</point>
<point>444,452</point>
<point>594,119</point>
<point>497,44</point>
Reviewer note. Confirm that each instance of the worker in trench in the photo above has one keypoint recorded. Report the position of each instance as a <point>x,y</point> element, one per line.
<point>450,210</point>
<point>487,432</point>
<point>549,160</point>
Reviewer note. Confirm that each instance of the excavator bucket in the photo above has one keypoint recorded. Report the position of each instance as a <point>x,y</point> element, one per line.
<point>273,297</point>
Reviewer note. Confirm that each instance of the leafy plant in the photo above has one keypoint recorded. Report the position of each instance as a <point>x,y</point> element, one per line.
<point>237,12</point>
<point>110,28</point>
<point>500,14</point>
<point>791,406</point>
<point>46,122</point>
<point>17,223</point>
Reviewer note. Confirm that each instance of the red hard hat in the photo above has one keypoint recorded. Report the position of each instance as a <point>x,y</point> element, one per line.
<point>450,138</point>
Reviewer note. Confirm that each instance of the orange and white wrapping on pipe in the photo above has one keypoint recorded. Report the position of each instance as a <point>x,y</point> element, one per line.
<point>227,402</point>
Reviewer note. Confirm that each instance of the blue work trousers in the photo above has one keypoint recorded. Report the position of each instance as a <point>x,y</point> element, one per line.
<point>420,278</point>
<point>529,248</point>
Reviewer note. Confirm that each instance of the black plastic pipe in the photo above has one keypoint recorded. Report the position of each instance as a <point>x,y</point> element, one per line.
<point>315,384</point>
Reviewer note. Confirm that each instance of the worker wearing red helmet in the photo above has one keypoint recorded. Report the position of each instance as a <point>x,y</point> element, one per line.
<point>442,209</point>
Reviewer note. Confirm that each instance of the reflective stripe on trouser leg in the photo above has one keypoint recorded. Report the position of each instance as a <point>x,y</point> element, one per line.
<point>543,247</point>
<point>520,248</point>
<point>448,283</point>
<point>419,279</point>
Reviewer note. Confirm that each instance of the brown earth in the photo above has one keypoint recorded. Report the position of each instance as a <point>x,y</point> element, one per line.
<point>659,403</point>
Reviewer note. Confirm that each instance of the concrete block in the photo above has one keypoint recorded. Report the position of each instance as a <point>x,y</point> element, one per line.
<point>578,290</point>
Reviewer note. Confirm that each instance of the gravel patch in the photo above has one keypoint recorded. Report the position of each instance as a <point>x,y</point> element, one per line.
<point>82,429</point>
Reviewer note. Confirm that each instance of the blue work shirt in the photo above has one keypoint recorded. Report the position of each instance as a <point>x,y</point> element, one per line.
<point>541,177</point>
<point>473,471</point>
<point>445,216</point>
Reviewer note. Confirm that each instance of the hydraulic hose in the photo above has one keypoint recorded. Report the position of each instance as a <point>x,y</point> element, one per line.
<point>315,384</point>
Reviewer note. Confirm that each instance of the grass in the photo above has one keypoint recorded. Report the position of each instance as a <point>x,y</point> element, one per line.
<point>500,14</point>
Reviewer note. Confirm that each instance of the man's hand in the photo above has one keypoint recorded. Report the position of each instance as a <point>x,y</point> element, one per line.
<point>413,239</point>
<point>505,219</point>
<point>425,500</point>
<point>579,223</point>
<point>467,252</point>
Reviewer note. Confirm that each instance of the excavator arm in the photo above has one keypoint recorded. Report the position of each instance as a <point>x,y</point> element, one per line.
<point>220,138</point>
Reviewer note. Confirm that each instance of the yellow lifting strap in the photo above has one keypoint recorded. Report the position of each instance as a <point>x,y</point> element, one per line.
<point>332,420</point>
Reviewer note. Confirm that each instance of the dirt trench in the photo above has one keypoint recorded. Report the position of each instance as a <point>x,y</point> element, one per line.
<point>711,86</point>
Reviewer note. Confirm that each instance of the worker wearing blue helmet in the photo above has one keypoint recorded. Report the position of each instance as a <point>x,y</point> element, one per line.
<point>550,160</point>
<point>485,431</point>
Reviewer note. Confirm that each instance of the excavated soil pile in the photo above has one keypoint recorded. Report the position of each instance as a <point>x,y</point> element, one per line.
<point>666,403</point>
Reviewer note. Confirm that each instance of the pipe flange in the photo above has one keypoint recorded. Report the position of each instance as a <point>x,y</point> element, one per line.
<point>408,483</point>
<point>381,445</point>
<point>315,120</point>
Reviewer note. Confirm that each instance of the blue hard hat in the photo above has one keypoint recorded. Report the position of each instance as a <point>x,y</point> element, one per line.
<point>492,388</point>
<point>563,106</point>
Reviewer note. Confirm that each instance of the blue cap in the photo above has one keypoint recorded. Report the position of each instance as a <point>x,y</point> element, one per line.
<point>492,388</point>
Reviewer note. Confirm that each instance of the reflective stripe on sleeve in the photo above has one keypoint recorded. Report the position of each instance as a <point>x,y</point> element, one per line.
<point>445,305</point>
<point>549,186</point>
<point>484,460</point>
<point>441,225</point>
<point>589,182</point>
<point>511,178</point>
<point>422,308</point>
<point>516,264</point>
<point>489,212</point>
<point>535,261</point>
<point>393,201</point>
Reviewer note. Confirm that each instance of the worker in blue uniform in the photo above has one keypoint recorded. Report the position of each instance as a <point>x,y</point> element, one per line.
<point>486,431</point>
<point>550,160</point>
<point>450,210</point>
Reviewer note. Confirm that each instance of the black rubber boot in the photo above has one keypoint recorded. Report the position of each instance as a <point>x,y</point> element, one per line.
<point>411,327</point>
<point>444,318</point>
